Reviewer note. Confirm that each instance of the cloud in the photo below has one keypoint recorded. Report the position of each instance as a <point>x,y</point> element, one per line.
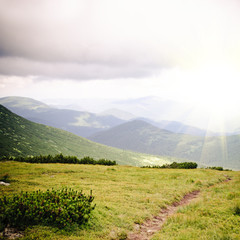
<point>90,39</point>
<point>71,70</point>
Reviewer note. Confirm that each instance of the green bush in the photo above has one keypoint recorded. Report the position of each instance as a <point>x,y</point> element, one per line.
<point>219,168</point>
<point>236,210</point>
<point>175,165</point>
<point>106,162</point>
<point>59,208</point>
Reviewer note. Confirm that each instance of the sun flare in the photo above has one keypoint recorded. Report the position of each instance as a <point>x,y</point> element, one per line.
<point>211,89</point>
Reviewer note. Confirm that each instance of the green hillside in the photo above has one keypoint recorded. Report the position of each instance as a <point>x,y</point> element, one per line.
<point>143,137</point>
<point>20,137</point>
<point>140,136</point>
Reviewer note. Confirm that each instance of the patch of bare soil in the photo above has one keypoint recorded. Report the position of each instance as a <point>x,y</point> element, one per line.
<point>11,233</point>
<point>151,226</point>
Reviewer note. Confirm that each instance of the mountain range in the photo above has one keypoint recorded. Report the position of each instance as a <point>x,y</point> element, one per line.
<point>83,123</point>
<point>187,113</point>
<point>160,138</point>
<point>21,137</point>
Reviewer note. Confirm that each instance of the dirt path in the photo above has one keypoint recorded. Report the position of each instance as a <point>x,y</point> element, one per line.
<point>148,228</point>
<point>151,226</point>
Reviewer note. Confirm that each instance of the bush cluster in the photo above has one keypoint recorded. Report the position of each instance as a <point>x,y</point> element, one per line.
<point>218,168</point>
<point>59,208</point>
<point>59,158</point>
<point>175,165</point>
<point>236,210</point>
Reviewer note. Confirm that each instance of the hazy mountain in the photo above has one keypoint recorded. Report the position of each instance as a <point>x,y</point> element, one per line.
<point>178,127</point>
<point>158,110</point>
<point>143,137</point>
<point>19,136</point>
<point>77,122</point>
<point>118,113</point>
<point>140,136</point>
<point>155,108</point>
<point>190,114</point>
<point>75,107</point>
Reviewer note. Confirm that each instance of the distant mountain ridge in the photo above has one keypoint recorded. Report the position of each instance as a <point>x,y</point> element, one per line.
<point>118,113</point>
<point>141,136</point>
<point>85,123</point>
<point>21,137</point>
<point>188,113</point>
<point>172,126</point>
<point>77,122</point>
<point>178,127</point>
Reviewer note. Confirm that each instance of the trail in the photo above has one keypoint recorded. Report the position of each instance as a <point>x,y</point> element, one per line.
<point>151,226</point>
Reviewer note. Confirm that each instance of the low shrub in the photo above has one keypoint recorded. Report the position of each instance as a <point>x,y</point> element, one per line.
<point>175,165</point>
<point>236,210</point>
<point>59,208</point>
<point>218,168</point>
<point>5,178</point>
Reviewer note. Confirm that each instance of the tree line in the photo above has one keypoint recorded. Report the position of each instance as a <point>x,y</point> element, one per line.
<point>60,158</point>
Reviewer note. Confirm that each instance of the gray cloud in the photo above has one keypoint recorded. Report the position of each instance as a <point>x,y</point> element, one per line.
<point>89,39</point>
<point>71,70</point>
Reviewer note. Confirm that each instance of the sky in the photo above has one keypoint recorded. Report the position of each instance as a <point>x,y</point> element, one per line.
<point>182,50</point>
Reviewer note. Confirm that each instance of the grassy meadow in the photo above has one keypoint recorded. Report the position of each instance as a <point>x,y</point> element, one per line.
<point>127,195</point>
<point>214,215</point>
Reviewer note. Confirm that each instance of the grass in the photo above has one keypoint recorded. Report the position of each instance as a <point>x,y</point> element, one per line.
<point>214,216</point>
<point>127,195</point>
